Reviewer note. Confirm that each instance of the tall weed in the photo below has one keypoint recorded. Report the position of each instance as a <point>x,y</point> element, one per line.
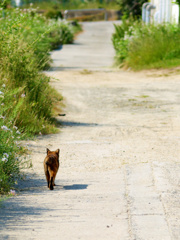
<point>146,46</point>
<point>26,98</point>
<point>19,69</point>
<point>40,34</point>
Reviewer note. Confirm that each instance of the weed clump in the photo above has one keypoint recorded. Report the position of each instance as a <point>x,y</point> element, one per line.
<point>142,46</point>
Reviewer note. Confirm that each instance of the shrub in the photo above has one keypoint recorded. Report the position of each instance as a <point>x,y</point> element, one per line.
<point>131,7</point>
<point>53,14</point>
<point>61,33</point>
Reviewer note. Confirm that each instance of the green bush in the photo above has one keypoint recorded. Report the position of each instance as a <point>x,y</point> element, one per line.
<point>61,33</point>
<point>146,46</point>
<point>131,7</point>
<point>53,14</point>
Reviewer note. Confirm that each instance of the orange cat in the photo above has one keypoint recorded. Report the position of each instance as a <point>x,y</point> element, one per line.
<point>51,166</point>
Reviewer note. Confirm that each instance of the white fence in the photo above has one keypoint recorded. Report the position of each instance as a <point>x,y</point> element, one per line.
<point>160,11</point>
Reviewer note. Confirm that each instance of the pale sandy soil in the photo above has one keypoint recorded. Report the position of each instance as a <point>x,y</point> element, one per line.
<point>119,175</point>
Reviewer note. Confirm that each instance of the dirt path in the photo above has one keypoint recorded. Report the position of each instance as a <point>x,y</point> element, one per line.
<point>120,159</point>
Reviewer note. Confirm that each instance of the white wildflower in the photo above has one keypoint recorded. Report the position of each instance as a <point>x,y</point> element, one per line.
<point>23,95</point>
<point>5,128</point>
<point>15,127</point>
<point>6,155</point>
<point>18,132</point>
<point>1,93</point>
<point>4,159</point>
<point>4,85</point>
<point>126,36</point>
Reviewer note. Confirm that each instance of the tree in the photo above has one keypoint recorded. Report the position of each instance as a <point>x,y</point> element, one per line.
<point>178,2</point>
<point>131,7</point>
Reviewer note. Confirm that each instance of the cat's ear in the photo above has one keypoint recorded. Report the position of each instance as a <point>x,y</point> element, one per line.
<point>57,152</point>
<point>48,150</point>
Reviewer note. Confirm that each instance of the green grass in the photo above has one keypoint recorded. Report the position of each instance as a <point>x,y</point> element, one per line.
<point>27,101</point>
<point>141,46</point>
<point>21,59</point>
<point>40,34</point>
<point>162,64</point>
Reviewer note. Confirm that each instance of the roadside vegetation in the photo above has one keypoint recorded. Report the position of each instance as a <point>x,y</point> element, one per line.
<point>140,46</point>
<point>55,9</point>
<point>73,4</point>
<point>27,101</point>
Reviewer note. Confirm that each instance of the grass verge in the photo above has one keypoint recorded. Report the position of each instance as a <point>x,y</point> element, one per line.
<point>141,46</point>
<point>27,101</point>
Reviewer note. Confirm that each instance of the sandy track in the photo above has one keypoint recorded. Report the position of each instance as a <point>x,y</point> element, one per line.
<point>119,175</point>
